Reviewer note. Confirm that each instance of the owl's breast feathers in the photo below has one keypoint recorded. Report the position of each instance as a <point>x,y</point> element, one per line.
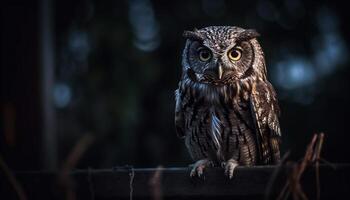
<point>239,121</point>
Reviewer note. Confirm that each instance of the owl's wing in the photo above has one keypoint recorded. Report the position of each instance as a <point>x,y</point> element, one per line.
<point>265,112</point>
<point>179,116</point>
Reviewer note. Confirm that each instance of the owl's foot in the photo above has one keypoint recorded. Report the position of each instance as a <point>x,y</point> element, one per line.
<point>199,166</point>
<point>229,166</point>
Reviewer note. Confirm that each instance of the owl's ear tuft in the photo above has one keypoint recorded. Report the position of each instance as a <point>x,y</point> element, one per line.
<point>193,35</point>
<point>247,35</point>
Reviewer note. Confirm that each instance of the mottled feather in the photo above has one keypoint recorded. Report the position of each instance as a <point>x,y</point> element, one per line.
<point>229,118</point>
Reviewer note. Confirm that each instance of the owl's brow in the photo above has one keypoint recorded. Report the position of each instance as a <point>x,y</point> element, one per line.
<point>193,35</point>
<point>247,35</point>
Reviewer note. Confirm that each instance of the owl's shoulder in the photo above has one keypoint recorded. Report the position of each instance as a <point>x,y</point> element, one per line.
<point>265,106</point>
<point>264,94</point>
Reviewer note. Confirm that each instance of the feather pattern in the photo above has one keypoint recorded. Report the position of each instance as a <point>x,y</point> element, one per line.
<point>216,130</point>
<point>230,118</point>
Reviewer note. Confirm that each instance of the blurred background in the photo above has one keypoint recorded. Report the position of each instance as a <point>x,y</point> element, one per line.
<point>109,69</point>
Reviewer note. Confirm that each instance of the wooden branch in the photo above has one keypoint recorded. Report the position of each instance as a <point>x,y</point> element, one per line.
<point>175,183</point>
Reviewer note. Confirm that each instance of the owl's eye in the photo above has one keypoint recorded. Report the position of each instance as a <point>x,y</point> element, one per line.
<point>204,54</point>
<point>235,54</point>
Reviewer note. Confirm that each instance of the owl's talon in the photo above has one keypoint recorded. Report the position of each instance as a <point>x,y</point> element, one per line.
<point>229,166</point>
<point>199,166</point>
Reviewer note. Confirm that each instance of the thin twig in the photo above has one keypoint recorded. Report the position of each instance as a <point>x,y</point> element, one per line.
<point>312,156</point>
<point>283,191</point>
<point>275,175</point>
<point>155,184</point>
<point>71,161</point>
<point>12,179</point>
<point>317,158</point>
<point>299,169</point>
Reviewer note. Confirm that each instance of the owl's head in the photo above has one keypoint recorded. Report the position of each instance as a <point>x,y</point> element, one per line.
<point>220,55</point>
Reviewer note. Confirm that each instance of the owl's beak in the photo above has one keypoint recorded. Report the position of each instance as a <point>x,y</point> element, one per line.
<point>220,72</point>
<point>216,72</point>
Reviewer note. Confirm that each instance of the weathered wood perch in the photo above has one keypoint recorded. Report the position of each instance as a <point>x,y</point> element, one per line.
<point>175,183</point>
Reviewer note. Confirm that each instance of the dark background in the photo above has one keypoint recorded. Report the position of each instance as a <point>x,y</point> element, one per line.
<point>109,69</point>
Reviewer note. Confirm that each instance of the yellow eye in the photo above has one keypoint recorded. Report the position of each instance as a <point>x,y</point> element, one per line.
<point>204,54</point>
<point>235,54</point>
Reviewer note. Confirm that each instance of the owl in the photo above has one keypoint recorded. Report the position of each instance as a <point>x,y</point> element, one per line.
<point>226,110</point>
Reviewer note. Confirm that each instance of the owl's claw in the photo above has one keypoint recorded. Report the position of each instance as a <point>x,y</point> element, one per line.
<point>199,166</point>
<point>229,166</point>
